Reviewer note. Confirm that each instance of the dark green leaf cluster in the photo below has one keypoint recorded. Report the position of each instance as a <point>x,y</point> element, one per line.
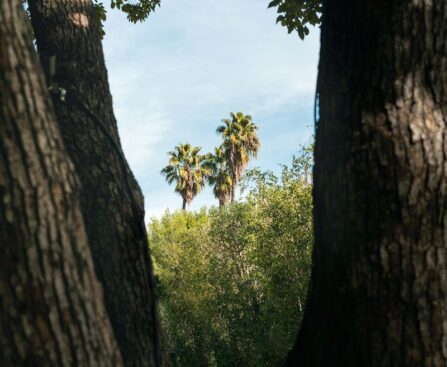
<point>101,15</point>
<point>296,15</point>
<point>137,11</point>
<point>232,282</point>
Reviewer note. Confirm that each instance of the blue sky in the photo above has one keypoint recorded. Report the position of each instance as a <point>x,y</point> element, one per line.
<point>176,76</point>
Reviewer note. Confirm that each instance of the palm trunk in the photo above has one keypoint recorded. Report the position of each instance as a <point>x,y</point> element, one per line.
<point>233,172</point>
<point>51,305</point>
<point>233,193</point>
<point>184,204</point>
<point>111,200</point>
<point>379,281</point>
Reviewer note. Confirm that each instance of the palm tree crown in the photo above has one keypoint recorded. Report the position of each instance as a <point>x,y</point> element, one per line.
<point>220,177</point>
<point>189,169</point>
<point>240,143</point>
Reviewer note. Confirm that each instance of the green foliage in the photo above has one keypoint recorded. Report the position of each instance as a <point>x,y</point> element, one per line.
<point>137,11</point>
<point>220,177</point>
<point>240,143</point>
<point>188,169</point>
<point>101,15</point>
<point>296,15</point>
<point>233,281</point>
<point>222,169</point>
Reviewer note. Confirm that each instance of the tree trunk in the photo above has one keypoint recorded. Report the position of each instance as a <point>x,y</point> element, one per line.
<point>51,305</point>
<point>111,200</point>
<point>379,282</point>
<point>184,204</point>
<point>224,201</point>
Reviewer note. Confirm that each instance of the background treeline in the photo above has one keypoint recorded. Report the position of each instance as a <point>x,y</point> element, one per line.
<point>233,281</point>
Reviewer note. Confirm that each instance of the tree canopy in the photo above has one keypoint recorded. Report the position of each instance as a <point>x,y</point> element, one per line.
<point>232,282</point>
<point>240,142</point>
<point>222,169</point>
<point>295,15</point>
<point>220,177</point>
<point>188,169</point>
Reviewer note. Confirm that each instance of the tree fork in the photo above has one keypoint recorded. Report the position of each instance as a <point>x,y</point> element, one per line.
<point>111,201</point>
<point>379,279</point>
<point>51,305</point>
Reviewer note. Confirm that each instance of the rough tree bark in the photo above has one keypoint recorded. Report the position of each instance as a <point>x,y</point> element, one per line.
<point>379,282</point>
<point>111,200</point>
<point>51,304</point>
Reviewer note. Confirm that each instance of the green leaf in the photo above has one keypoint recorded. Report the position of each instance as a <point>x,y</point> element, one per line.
<point>295,15</point>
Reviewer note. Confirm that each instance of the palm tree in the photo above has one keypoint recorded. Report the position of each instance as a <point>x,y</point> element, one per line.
<point>240,143</point>
<point>220,176</point>
<point>189,169</point>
